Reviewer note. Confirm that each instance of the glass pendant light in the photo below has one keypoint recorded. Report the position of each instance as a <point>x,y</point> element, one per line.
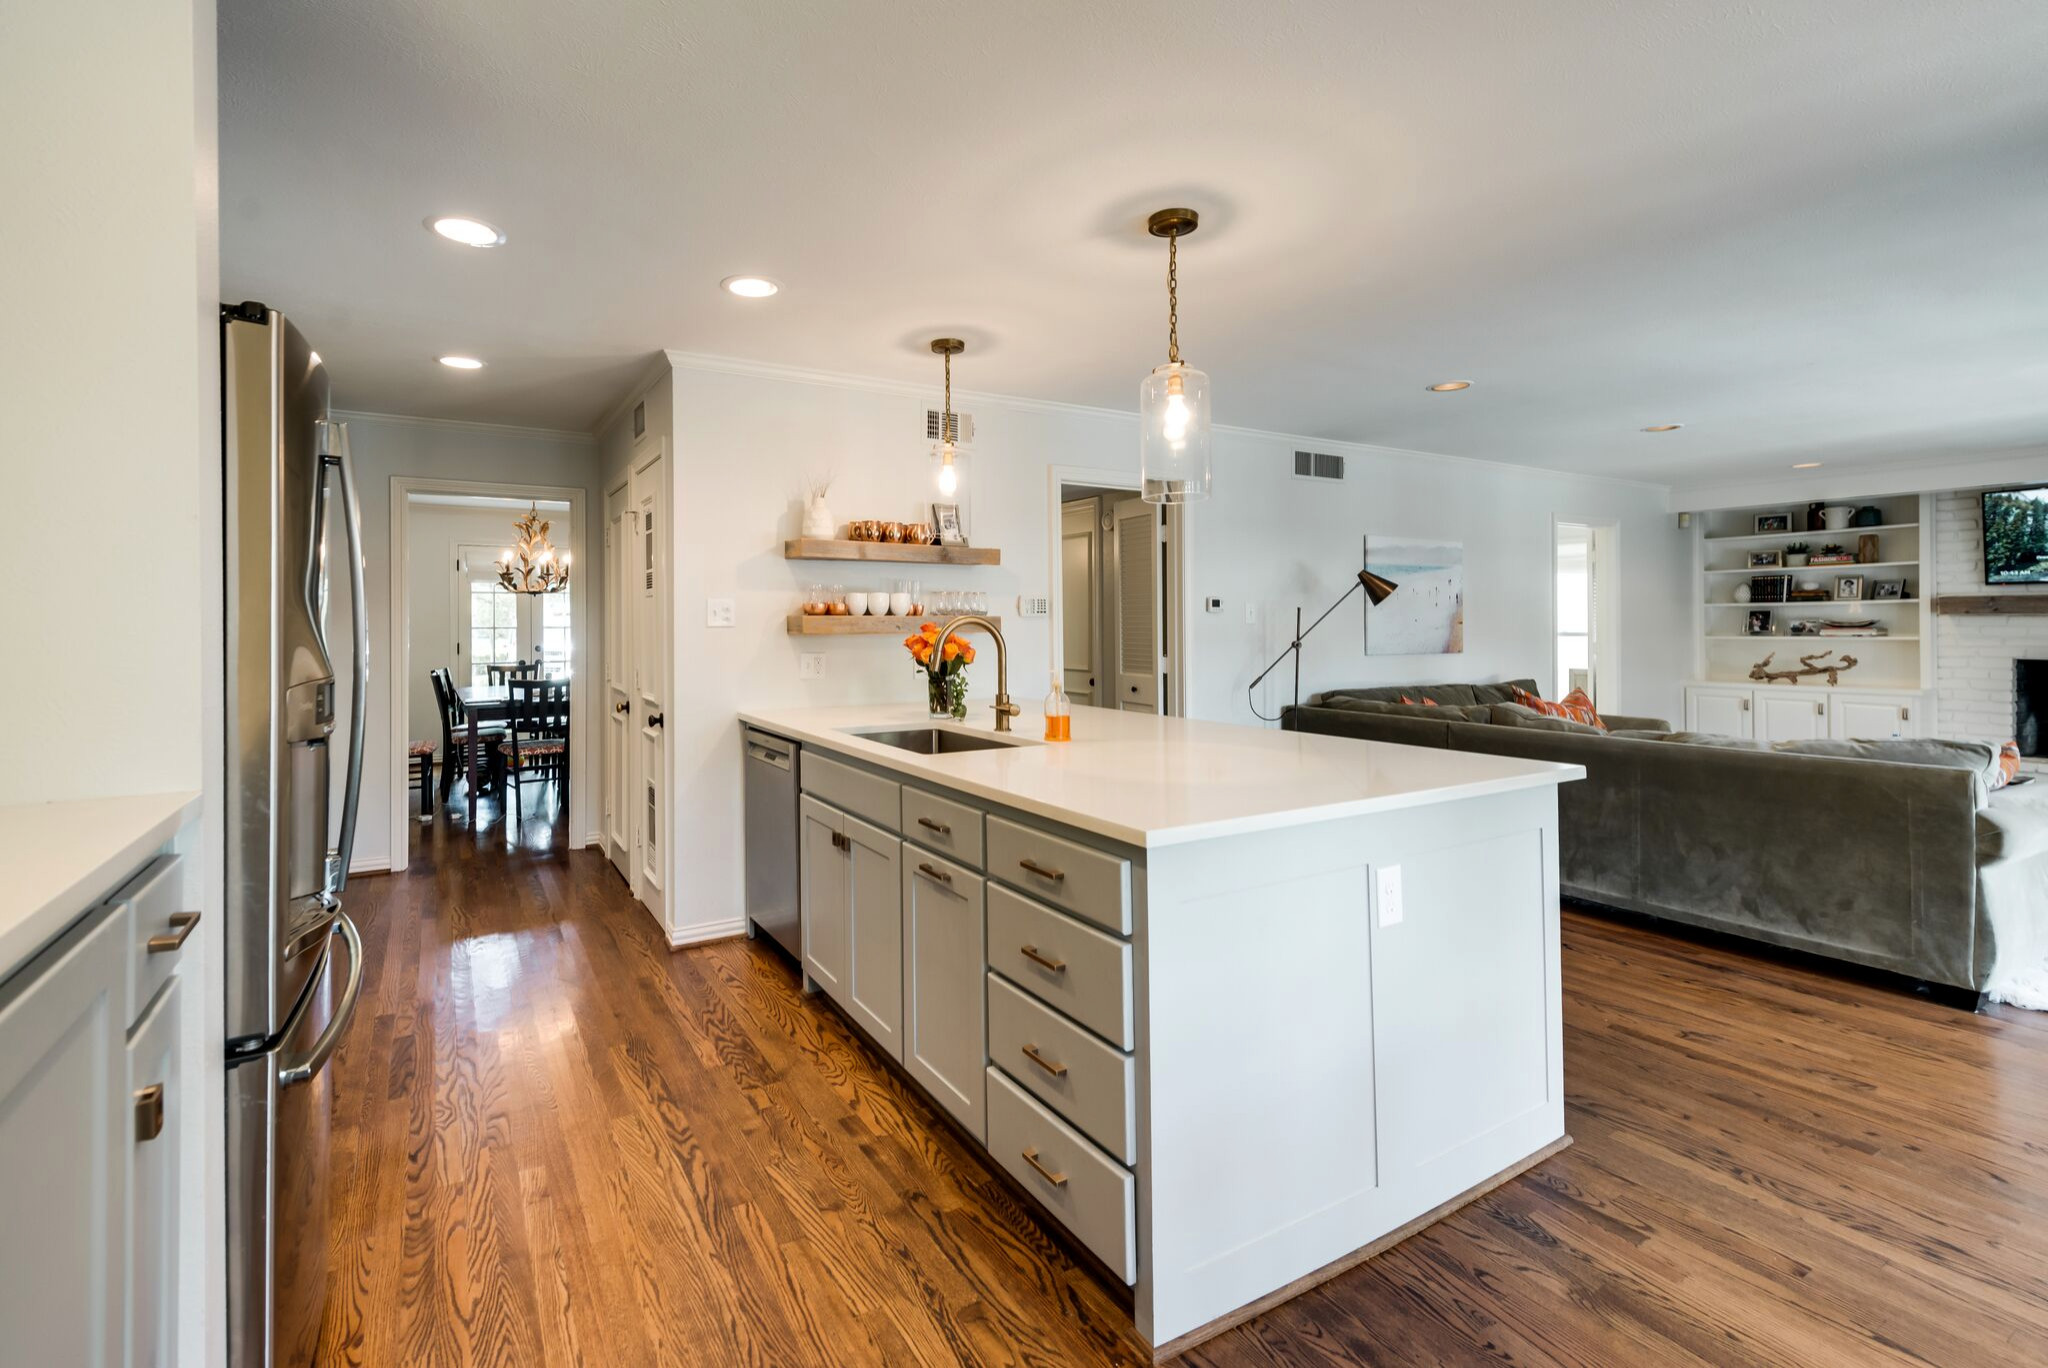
<point>945,452</point>
<point>1173,401</point>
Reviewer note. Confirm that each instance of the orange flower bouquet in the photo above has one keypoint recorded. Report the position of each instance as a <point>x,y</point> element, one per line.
<point>945,669</point>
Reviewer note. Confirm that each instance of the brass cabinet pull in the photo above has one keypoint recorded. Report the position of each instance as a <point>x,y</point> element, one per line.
<point>149,1112</point>
<point>1031,953</point>
<point>1041,871</point>
<point>939,874</point>
<point>181,927</point>
<point>939,827</point>
<point>1056,1070</point>
<point>1056,1179</point>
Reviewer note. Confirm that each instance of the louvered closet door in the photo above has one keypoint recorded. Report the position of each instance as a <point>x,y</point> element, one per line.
<point>1138,606</point>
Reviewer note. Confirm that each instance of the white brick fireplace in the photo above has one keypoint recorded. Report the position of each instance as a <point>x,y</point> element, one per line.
<point>1974,654</point>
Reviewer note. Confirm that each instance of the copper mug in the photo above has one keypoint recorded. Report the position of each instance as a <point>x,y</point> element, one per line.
<point>917,534</point>
<point>889,531</point>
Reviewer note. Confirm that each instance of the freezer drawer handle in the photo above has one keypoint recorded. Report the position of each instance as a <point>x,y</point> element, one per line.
<point>149,1112</point>
<point>302,1069</point>
<point>1041,871</point>
<point>181,927</point>
<point>1052,966</point>
<point>1057,1070</point>
<point>1056,1179</point>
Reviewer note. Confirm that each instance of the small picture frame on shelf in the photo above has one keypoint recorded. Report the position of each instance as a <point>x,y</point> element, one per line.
<point>946,518</point>
<point>1759,622</point>
<point>1848,588</point>
<point>1766,560</point>
<point>1888,589</point>
<point>1773,522</point>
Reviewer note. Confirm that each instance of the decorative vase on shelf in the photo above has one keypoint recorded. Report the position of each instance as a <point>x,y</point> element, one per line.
<point>818,518</point>
<point>1741,594</point>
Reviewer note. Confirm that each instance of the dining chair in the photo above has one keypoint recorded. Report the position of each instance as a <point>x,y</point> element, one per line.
<point>420,756</point>
<point>455,731</point>
<point>537,745</point>
<point>499,672</point>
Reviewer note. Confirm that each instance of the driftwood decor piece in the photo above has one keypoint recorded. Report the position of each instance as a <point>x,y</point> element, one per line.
<point>1812,665</point>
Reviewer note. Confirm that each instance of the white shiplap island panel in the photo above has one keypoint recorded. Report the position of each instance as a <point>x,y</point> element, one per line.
<point>1315,1069</point>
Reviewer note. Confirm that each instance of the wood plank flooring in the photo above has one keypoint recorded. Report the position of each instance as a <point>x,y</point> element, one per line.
<point>557,1142</point>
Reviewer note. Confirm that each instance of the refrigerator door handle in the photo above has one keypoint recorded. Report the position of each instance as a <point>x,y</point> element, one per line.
<point>352,520</point>
<point>303,1068</point>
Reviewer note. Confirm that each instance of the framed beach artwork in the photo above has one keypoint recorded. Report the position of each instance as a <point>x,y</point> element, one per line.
<point>1425,614</point>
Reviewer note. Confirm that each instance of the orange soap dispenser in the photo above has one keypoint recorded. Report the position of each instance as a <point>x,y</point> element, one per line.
<point>1058,721</point>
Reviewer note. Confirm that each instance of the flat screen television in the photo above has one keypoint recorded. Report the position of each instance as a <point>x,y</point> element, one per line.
<point>2016,536</point>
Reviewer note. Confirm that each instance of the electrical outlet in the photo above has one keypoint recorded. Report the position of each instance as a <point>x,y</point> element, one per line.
<point>810,665</point>
<point>1028,606</point>
<point>1387,881</point>
<point>1251,615</point>
<point>719,612</point>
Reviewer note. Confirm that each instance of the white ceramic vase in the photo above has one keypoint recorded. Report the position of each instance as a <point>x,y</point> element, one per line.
<point>818,518</point>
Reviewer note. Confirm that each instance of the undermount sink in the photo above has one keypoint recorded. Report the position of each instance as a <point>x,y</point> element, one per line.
<point>937,740</point>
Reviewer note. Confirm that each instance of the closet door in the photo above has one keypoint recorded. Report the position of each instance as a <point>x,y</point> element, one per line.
<point>1138,582</point>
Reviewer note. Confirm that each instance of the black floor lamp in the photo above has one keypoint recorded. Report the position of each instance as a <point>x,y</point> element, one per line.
<point>1376,589</point>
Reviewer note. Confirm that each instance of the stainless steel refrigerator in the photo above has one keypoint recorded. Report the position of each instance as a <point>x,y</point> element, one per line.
<point>294,959</point>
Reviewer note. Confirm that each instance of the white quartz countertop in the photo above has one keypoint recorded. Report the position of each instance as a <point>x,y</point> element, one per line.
<point>1159,781</point>
<point>57,859</point>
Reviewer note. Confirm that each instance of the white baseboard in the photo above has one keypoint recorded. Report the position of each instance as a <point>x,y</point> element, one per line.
<point>595,838</point>
<point>379,865</point>
<point>712,931</point>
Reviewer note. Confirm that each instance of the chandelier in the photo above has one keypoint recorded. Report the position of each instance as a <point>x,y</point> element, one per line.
<point>538,569</point>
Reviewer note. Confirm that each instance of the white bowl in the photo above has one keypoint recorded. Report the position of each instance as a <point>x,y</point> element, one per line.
<point>857,604</point>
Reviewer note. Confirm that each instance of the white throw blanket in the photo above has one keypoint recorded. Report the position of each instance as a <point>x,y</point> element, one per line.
<point>2015,894</point>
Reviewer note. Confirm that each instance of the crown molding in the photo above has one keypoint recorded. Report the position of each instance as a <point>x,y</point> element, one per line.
<point>768,370</point>
<point>464,425</point>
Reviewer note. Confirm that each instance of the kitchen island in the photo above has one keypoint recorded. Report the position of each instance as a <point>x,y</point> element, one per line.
<point>1236,1007</point>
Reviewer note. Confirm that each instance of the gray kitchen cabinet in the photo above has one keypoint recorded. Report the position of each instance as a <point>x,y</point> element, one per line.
<point>853,919</point>
<point>945,1026</point>
<point>156,1094</point>
<point>827,908</point>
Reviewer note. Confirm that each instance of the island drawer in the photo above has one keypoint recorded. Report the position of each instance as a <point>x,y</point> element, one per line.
<point>1074,967</point>
<point>1084,1080</point>
<point>1091,884</point>
<point>942,825</point>
<point>1090,1193</point>
<point>865,795</point>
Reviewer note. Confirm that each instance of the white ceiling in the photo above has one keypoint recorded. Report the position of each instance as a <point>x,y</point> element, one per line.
<point>1807,229</point>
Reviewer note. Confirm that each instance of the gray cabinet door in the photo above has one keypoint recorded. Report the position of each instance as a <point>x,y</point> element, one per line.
<point>875,895</point>
<point>828,931</point>
<point>945,1044</point>
<point>153,1185</point>
<point>64,1151</point>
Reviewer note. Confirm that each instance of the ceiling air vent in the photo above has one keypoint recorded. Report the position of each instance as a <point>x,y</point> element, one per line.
<point>963,427</point>
<point>1318,465</point>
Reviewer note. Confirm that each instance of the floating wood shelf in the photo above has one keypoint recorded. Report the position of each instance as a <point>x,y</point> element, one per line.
<point>1992,605</point>
<point>822,548</point>
<point>810,624</point>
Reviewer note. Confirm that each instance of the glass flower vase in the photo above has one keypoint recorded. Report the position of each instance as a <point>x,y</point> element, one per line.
<point>946,695</point>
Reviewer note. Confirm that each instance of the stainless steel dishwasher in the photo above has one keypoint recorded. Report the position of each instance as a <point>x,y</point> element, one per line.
<point>771,798</point>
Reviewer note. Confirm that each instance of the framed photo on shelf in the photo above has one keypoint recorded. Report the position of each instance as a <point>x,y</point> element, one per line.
<point>1848,588</point>
<point>1888,589</point>
<point>1766,560</point>
<point>946,518</point>
<point>1773,522</point>
<point>1759,622</point>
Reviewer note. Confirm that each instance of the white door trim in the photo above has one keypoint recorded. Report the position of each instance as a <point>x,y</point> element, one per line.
<point>1177,560</point>
<point>1606,568</point>
<point>403,487</point>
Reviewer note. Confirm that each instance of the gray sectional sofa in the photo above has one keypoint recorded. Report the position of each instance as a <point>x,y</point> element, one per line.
<point>1908,867</point>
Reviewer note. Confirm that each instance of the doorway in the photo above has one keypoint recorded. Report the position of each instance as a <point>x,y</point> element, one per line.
<point>1117,601</point>
<point>1583,646</point>
<point>450,612</point>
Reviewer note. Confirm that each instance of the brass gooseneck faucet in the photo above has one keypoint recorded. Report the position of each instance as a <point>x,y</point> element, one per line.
<point>1005,709</point>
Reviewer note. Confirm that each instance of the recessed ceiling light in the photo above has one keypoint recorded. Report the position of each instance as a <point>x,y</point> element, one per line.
<point>462,363</point>
<point>1450,386</point>
<point>1807,465</point>
<point>749,287</point>
<point>467,231</point>
<point>1664,427</point>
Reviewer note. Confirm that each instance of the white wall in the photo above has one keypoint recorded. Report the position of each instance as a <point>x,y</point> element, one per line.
<point>385,446</point>
<point>110,453</point>
<point>1973,654</point>
<point>747,436</point>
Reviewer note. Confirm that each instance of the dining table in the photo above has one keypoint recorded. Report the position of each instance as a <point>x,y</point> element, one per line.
<point>481,703</point>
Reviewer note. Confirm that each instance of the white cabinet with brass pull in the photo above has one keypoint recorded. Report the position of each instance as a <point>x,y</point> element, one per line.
<point>944,1019</point>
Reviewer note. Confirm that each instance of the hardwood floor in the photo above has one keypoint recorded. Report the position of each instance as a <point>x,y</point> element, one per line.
<point>559,1143</point>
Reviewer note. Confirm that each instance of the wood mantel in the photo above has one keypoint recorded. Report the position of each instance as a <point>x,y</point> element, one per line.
<point>1993,605</point>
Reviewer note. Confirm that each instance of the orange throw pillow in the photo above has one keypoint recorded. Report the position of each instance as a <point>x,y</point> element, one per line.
<point>1573,707</point>
<point>2008,765</point>
<point>1425,703</point>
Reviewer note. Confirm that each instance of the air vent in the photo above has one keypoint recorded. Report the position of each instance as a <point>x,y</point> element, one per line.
<point>1318,465</point>
<point>963,427</point>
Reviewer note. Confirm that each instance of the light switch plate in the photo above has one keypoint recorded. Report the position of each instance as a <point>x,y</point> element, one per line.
<point>1387,893</point>
<point>719,612</point>
<point>810,665</point>
<point>1251,615</point>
